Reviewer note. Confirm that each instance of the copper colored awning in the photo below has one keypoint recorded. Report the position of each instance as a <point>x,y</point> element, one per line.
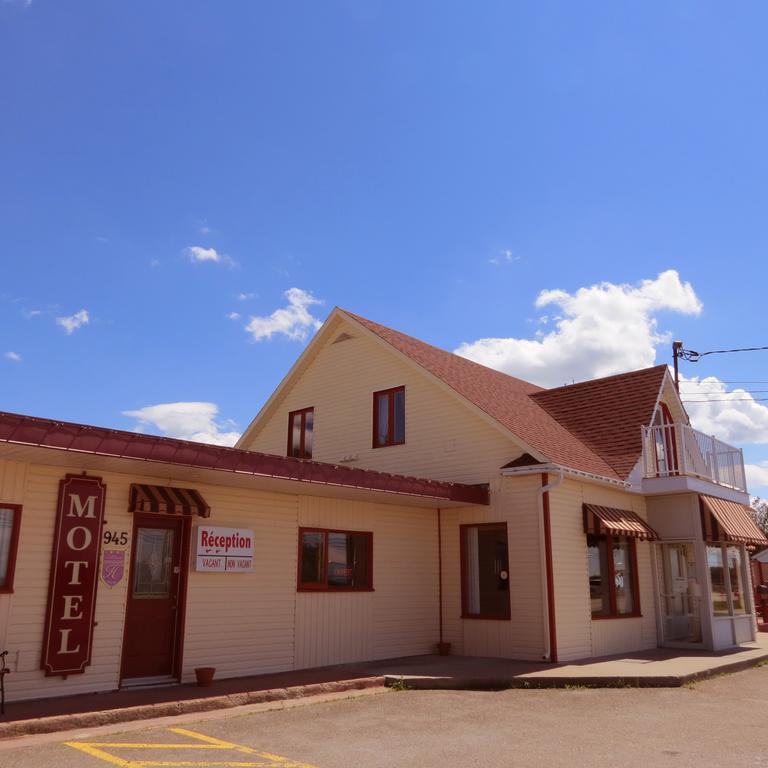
<point>618,522</point>
<point>723,520</point>
<point>164,499</point>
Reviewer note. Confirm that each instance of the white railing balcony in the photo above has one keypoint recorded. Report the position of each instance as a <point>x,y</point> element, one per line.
<point>674,450</point>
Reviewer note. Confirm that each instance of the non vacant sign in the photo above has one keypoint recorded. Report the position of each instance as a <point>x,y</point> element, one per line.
<point>224,549</point>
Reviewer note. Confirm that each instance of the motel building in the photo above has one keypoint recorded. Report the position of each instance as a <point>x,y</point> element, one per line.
<point>387,498</point>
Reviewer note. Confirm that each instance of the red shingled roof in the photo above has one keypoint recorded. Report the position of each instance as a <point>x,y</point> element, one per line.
<point>99,441</point>
<point>593,427</point>
<point>606,414</point>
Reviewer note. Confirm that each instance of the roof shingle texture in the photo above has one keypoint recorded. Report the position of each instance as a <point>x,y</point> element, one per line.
<point>593,427</point>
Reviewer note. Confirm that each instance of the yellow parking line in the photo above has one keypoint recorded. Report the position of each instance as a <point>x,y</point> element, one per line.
<point>265,759</point>
<point>94,751</point>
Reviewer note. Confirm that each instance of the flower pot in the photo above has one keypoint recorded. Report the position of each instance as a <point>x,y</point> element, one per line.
<point>204,676</point>
<point>443,649</point>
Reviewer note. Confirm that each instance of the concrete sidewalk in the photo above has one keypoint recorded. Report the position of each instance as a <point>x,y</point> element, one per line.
<point>654,668</point>
<point>659,667</point>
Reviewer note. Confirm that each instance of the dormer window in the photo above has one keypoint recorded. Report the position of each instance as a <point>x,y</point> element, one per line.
<point>300,424</point>
<point>389,417</point>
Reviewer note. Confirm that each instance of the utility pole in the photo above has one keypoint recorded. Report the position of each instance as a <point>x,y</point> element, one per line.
<point>676,347</point>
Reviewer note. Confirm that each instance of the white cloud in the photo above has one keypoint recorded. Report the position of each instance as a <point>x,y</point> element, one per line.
<point>599,330</point>
<point>13,356</point>
<point>294,320</point>
<point>732,415</point>
<point>505,256</point>
<point>198,255</point>
<point>73,322</point>
<point>243,296</point>
<point>188,421</point>
<point>234,315</point>
<point>757,475</point>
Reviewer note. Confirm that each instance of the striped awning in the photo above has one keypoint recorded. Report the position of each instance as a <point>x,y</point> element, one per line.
<point>164,499</point>
<point>723,520</point>
<point>619,522</point>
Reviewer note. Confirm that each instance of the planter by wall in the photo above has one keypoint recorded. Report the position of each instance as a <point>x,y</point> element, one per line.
<point>204,676</point>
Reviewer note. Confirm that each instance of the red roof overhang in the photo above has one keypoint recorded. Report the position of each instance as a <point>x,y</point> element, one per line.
<point>98,441</point>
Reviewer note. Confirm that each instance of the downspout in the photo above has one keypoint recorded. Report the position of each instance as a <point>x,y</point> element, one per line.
<point>440,572</point>
<point>545,527</point>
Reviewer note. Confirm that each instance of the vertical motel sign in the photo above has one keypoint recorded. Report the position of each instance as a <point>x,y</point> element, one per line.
<point>74,576</point>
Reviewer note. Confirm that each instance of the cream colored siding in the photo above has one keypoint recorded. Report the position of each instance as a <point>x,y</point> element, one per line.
<point>577,635</point>
<point>400,617</point>
<point>243,624</point>
<point>445,440</point>
<point>514,501</point>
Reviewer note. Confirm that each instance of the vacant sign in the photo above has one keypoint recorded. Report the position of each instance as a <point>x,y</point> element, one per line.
<point>224,549</point>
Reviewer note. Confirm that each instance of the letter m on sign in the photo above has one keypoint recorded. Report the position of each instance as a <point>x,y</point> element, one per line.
<point>78,508</point>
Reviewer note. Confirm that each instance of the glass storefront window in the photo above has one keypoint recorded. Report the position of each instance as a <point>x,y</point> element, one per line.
<point>726,574</point>
<point>735,574</point>
<point>717,577</point>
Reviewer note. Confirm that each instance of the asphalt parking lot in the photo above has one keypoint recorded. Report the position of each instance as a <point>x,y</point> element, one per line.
<point>720,722</point>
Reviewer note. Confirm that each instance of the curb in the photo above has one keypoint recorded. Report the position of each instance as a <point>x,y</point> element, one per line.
<point>184,707</point>
<point>531,683</point>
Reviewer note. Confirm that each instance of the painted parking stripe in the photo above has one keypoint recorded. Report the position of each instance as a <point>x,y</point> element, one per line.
<point>200,742</point>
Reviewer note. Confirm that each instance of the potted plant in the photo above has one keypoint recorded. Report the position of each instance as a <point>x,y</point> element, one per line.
<point>204,676</point>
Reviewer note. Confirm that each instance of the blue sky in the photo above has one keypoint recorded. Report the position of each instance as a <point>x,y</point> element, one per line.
<point>173,169</point>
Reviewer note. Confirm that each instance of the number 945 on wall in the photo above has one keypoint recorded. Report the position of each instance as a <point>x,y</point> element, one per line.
<point>115,538</point>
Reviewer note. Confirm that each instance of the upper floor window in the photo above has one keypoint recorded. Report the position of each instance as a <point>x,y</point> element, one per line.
<point>389,417</point>
<point>300,424</point>
<point>10,520</point>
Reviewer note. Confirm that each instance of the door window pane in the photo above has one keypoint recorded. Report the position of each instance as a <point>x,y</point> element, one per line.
<point>485,574</point>
<point>152,563</point>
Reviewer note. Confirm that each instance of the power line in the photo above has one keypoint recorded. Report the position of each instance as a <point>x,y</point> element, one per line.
<point>731,400</point>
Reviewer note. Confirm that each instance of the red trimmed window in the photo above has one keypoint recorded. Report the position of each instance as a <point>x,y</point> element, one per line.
<point>300,428</point>
<point>389,417</point>
<point>10,522</point>
<point>613,588</point>
<point>484,571</point>
<point>331,561</point>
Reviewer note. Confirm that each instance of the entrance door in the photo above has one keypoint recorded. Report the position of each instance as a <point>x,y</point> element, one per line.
<point>680,593</point>
<point>153,616</point>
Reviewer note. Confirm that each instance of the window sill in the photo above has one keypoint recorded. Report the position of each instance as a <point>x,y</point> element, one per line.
<point>325,590</point>
<point>485,617</point>
<point>388,445</point>
<point>618,616</point>
<point>6,590</point>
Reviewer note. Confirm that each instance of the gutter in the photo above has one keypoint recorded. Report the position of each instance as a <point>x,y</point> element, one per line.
<point>536,469</point>
<point>548,586</point>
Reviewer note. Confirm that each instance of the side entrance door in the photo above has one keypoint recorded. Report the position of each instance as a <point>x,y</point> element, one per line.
<point>152,643</point>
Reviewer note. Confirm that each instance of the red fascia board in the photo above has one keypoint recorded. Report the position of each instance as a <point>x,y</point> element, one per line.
<point>100,441</point>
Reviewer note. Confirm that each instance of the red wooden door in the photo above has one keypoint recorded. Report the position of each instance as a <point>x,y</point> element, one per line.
<point>153,615</point>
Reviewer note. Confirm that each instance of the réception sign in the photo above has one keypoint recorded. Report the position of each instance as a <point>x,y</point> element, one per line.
<point>224,549</point>
<point>74,576</point>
